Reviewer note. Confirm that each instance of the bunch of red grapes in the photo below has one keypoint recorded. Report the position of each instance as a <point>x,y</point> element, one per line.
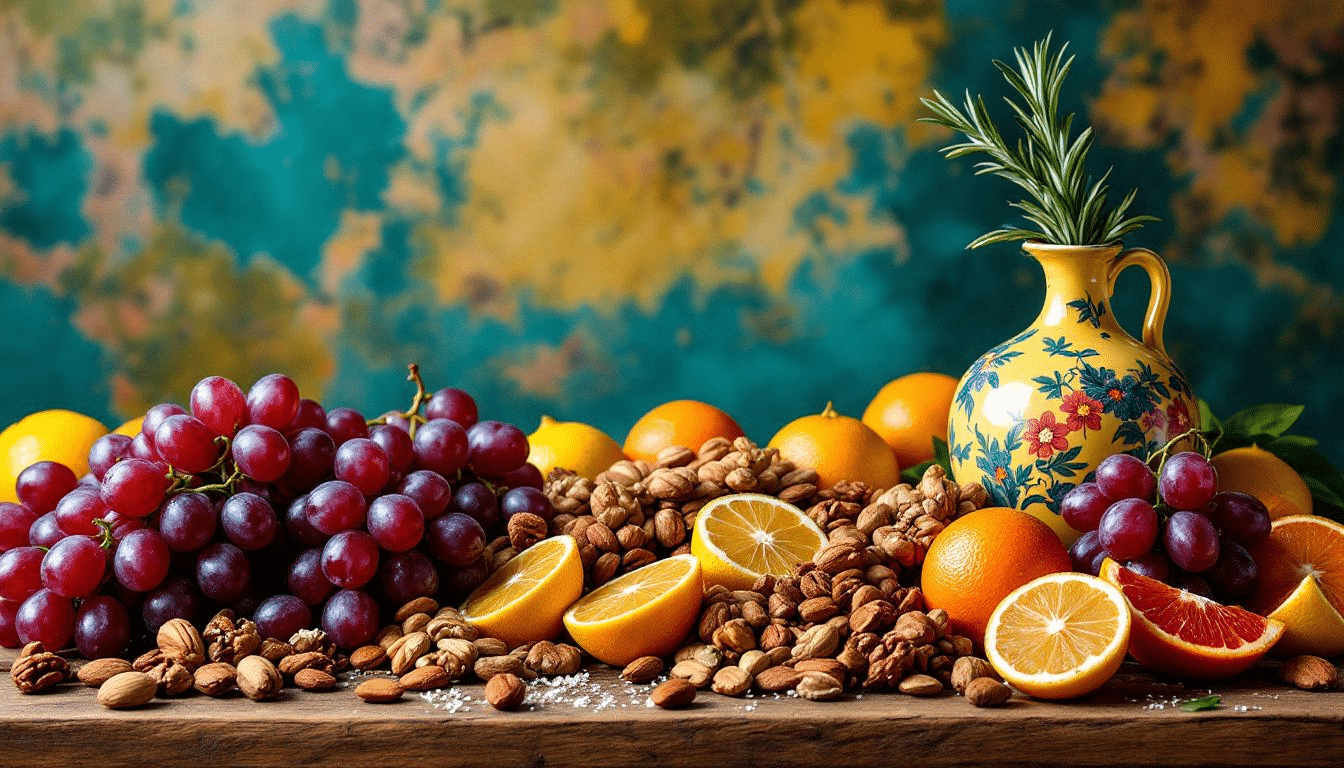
<point>265,503</point>
<point>1173,526</point>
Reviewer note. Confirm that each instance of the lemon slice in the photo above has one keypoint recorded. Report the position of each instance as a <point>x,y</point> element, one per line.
<point>524,601</point>
<point>647,612</point>
<point>740,537</point>
<point>1060,636</point>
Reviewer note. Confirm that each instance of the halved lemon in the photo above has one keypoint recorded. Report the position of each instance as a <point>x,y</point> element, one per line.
<point>1060,636</point>
<point>525,600</point>
<point>739,537</point>
<point>646,612</point>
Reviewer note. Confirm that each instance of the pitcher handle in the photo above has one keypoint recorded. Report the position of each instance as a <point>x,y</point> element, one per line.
<point>1160,278</point>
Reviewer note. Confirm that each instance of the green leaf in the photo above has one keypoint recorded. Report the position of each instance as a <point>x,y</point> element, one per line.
<point>1301,441</point>
<point>1202,703</point>
<point>941,455</point>
<point>1269,419</point>
<point>1326,482</point>
<point>912,475</point>
<point>1323,496</point>
<point>1208,422</point>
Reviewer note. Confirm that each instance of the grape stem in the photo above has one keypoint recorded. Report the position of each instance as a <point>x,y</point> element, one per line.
<point>1201,443</point>
<point>411,414</point>
<point>105,539</point>
<point>225,486</point>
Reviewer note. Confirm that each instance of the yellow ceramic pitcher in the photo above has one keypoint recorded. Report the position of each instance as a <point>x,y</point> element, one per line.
<point>1034,415</point>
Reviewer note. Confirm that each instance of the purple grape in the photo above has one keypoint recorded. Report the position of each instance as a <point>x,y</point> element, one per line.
<point>455,539</point>
<point>142,559</point>
<point>120,525</point>
<point>1192,583</point>
<point>430,491</point>
<point>248,521</point>
<point>1083,507</point>
<point>187,444</point>
<point>105,452</point>
<point>1128,529</point>
<point>9,634</point>
<point>362,463</point>
<point>305,578</point>
<point>526,476</point>
<point>48,618</point>
<point>102,628</point>
<point>350,618</point>
<point>453,404</point>
<point>461,582</point>
<point>1188,481</point>
<point>46,530</point>
<point>350,559</point>
<point>74,567</point>
<point>156,416</point>
<point>346,424</point>
<point>1240,517</point>
<point>176,598</point>
<point>262,453</point>
<point>1191,541</point>
<point>311,454</point>
<point>15,521</point>
<point>42,485</point>
<point>442,446</point>
<point>20,573</point>
<point>220,404</point>
<point>223,572</point>
<point>479,502</point>
<point>1084,550</point>
<point>526,500</point>
<point>395,522</point>
<point>1121,476</point>
<point>496,448</point>
<point>76,512</point>
<point>1235,573</point>
<point>142,447</point>
<point>273,401</point>
<point>336,506</point>
<point>396,420</point>
<point>281,616</point>
<point>134,487</point>
<point>298,527</point>
<point>397,444</point>
<point>1152,564</point>
<point>188,522</point>
<point>408,575</point>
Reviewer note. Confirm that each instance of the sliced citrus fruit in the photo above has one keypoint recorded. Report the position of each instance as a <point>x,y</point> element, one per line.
<point>525,600</point>
<point>739,537</point>
<point>1311,624</point>
<point>1186,635</point>
<point>1060,636</point>
<point>1298,546</point>
<point>646,612</point>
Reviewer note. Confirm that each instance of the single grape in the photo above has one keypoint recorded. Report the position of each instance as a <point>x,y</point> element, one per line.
<point>120,525</point>
<point>311,415</point>
<point>9,634</point>
<point>102,628</point>
<point>455,539</point>
<point>76,512</point>
<point>526,499</point>
<point>15,520</point>
<point>311,454</point>
<point>187,444</point>
<point>350,559</point>
<point>336,506</point>
<point>449,403</point>
<point>306,580</point>
<point>20,573</point>
<point>362,463</point>
<point>74,567</point>
<point>281,616</point>
<point>105,452</point>
<point>496,448</point>
<point>223,572</point>
<point>176,598</point>
<point>1235,573</point>
<point>346,424</point>
<point>1153,564</point>
<point>526,476</point>
<point>141,560</point>
<point>248,521</point>
<point>395,522</point>
<point>350,618</point>
<point>1191,541</point>
<point>262,453</point>
<point>441,445</point>
<point>156,416</point>
<point>134,487</point>
<point>142,447</point>
<point>220,404</point>
<point>1192,583</point>
<point>46,530</point>
<point>396,420</point>
<point>47,618</point>
<point>1240,517</point>
<point>461,582</point>
<point>1122,476</point>
<point>1084,550</point>
<point>396,443</point>
<point>1128,528</point>
<point>42,485</point>
<point>431,492</point>
<point>479,502</point>
<point>1188,481</point>
<point>188,522</point>
<point>273,401</point>
<point>297,526</point>
<point>405,576</point>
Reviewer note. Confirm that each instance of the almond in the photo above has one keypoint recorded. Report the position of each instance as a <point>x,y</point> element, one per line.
<point>987,692</point>
<point>919,685</point>
<point>673,694</point>
<point>643,670</point>
<point>426,678</point>
<point>778,679</point>
<point>419,605</point>
<point>215,679</point>
<point>311,679</point>
<point>379,690</point>
<point>258,678</point>
<point>818,686</point>
<point>968,668</point>
<point>367,657</point>
<point>99,671</point>
<point>127,689</point>
<point>1309,673</point>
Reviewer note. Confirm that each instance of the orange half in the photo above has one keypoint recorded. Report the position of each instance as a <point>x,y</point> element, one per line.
<point>1299,546</point>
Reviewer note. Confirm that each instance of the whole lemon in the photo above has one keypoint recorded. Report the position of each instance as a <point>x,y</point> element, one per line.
<point>572,445</point>
<point>54,435</point>
<point>838,448</point>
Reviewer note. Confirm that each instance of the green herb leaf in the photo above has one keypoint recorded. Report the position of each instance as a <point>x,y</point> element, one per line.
<point>1267,419</point>
<point>1208,422</point>
<point>1202,703</point>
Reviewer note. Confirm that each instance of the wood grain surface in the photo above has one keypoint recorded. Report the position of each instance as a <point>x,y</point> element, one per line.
<point>1133,721</point>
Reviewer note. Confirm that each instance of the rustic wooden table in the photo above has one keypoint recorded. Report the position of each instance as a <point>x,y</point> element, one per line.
<point>1133,721</point>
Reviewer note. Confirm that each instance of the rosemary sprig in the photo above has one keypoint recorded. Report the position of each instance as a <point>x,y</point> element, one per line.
<point>1066,205</point>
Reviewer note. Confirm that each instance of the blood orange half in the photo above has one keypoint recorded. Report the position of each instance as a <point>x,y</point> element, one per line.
<point>1186,635</point>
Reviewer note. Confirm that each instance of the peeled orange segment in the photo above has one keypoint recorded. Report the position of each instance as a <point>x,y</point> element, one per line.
<point>1060,636</point>
<point>1311,624</point>
<point>647,612</point>
<point>1299,546</point>
<point>740,537</point>
<point>525,600</point>
<point>1186,635</point>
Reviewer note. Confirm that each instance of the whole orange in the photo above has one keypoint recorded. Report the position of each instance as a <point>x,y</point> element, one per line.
<point>1272,480</point>
<point>909,411</point>
<point>838,448</point>
<point>680,422</point>
<point>981,558</point>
